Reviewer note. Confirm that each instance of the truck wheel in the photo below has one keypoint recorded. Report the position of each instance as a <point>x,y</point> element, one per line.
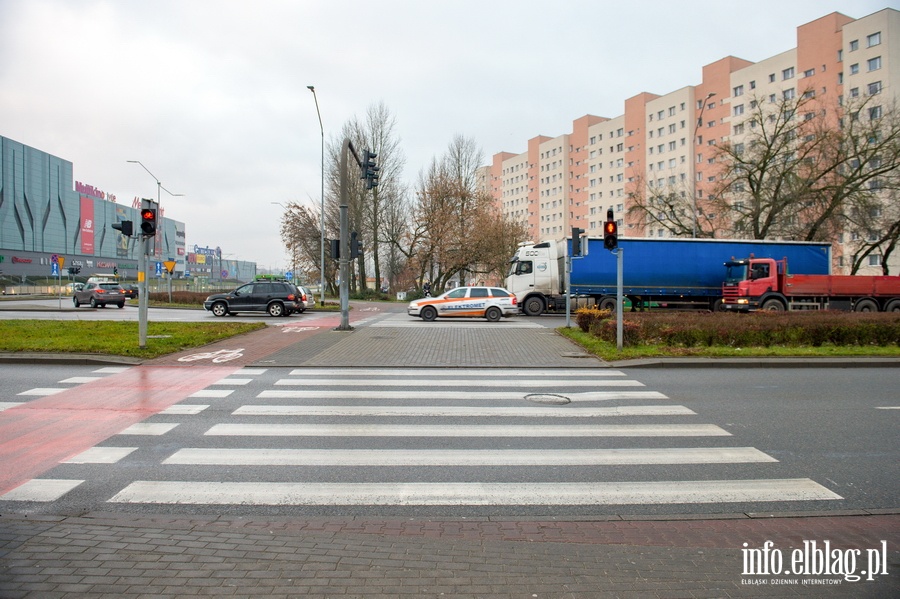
<point>219,309</point>
<point>773,305</point>
<point>534,306</point>
<point>493,314</point>
<point>428,313</point>
<point>893,306</point>
<point>608,303</point>
<point>865,305</point>
<point>276,309</point>
<point>718,305</point>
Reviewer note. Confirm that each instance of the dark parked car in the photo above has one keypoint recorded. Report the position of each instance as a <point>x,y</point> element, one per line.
<point>278,298</point>
<point>131,291</point>
<point>98,294</point>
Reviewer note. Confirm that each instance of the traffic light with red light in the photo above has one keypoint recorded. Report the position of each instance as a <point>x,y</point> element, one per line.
<point>148,221</point>
<point>610,232</point>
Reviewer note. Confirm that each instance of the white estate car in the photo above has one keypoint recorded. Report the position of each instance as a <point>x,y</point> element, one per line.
<point>473,302</point>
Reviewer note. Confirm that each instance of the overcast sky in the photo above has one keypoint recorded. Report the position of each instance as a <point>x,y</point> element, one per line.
<point>211,95</point>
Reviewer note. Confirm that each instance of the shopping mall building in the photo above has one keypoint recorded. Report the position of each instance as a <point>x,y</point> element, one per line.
<point>48,220</point>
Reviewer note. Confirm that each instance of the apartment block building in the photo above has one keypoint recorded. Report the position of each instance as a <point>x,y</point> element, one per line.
<point>665,144</point>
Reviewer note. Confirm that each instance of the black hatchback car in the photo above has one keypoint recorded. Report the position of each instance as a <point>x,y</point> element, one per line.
<point>278,298</point>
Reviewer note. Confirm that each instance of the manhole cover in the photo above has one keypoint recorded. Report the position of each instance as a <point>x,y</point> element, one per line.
<point>548,398</point>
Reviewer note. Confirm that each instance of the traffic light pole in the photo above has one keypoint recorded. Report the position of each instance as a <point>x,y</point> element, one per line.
<point>142,292</point>
<point>619,305</point>
<point>344,260</point>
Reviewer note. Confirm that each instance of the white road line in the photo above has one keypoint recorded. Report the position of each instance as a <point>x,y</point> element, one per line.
<point>5,405</point>
<point>250,371</point>
<point>100,455</point>
<point>513,494</point>
<point>230,381</point>
<point>463,411</point>
<point>368,395</point>
<point>111,369</point>
<point>148,428</point>
<point>44,391</point>
<point>888,408</point>
<point>81,379</point>
<point>507,384</point>
<point>469,373</point>
<point>464,457</point>
<point>41,489</point>
<point>211,393</point>
<point>527,431</point>
<point>184,409</point>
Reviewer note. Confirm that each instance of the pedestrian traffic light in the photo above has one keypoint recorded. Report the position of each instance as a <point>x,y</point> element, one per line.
<point>148,221</point>
<point>610,232</point>
<point>355,246</point>
<point>576,241</point>
<point>369,170</point>
<point>126,227</point>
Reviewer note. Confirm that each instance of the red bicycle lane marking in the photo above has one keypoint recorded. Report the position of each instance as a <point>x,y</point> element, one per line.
<point>40,434</point>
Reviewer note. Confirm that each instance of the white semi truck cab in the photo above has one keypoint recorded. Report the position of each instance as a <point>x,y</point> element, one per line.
<point>537,276</point>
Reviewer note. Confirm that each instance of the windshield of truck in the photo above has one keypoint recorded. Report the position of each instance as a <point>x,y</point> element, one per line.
<point>735,272</point>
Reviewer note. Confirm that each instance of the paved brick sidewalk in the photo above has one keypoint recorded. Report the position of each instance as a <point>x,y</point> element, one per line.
<point>101,555</point>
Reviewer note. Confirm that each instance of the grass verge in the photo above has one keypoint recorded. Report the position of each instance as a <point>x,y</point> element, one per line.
<point>607,351</point>
<point>114,338</point>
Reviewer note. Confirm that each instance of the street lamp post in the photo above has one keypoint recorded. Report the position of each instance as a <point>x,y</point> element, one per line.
<point>696,130</point>
<point>142,258</point>
<point>322,200</point>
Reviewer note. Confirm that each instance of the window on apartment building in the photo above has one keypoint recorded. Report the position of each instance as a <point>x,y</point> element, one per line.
<point>738,91</point>
<point>739,110</point>
<point>810,93</point>
<point>660,114</point>
<point>874,259</point>
<point>787,73</point>
<point>660,131</point>
<point>875,88</point>
<point>661,148</point>
<point>874,63</point>
<point>771,77</point>
<point>809,72</point>
<point>671,111</point>
<point>854,92</point>
<point>874,112</point>
<point>739,129</point>
<point>672,128</point>
<point>671,163</point>
<point>854,45</point>
<point>672,146</point>
<point>854,69</point>
<point>790,94</point>
<point>873,39</point>
<point>620,147</point>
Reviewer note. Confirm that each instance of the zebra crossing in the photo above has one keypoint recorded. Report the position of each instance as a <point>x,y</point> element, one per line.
<point>539,438</point>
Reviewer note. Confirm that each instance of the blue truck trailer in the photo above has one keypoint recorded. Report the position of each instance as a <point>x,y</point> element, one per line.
<point>670,273</point>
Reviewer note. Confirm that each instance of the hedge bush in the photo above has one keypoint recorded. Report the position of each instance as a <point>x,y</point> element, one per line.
<point>759,329</point>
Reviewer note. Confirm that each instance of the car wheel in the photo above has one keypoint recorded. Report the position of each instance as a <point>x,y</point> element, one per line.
<point>866,305</point>
<point>276,309</point>
<point>428,313</point>
<point>76,302</point>
<point>121,305</point>
<point>534,306</point>
<point>493,314</point>
<point>219,309</point>
<point>773,305</point>
<point>93,303</point>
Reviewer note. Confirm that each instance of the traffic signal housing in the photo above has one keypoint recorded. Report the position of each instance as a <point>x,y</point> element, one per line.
<point>335,248</point>
<point>148,221</point>
<point>355,245</point>
<point>126,227</point>
<point>576,241</point>
<point>610,232</point>
<point>369,170</point>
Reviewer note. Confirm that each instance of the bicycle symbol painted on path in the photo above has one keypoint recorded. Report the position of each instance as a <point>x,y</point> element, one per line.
<point>217,357</point>
<point>295,329</point>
